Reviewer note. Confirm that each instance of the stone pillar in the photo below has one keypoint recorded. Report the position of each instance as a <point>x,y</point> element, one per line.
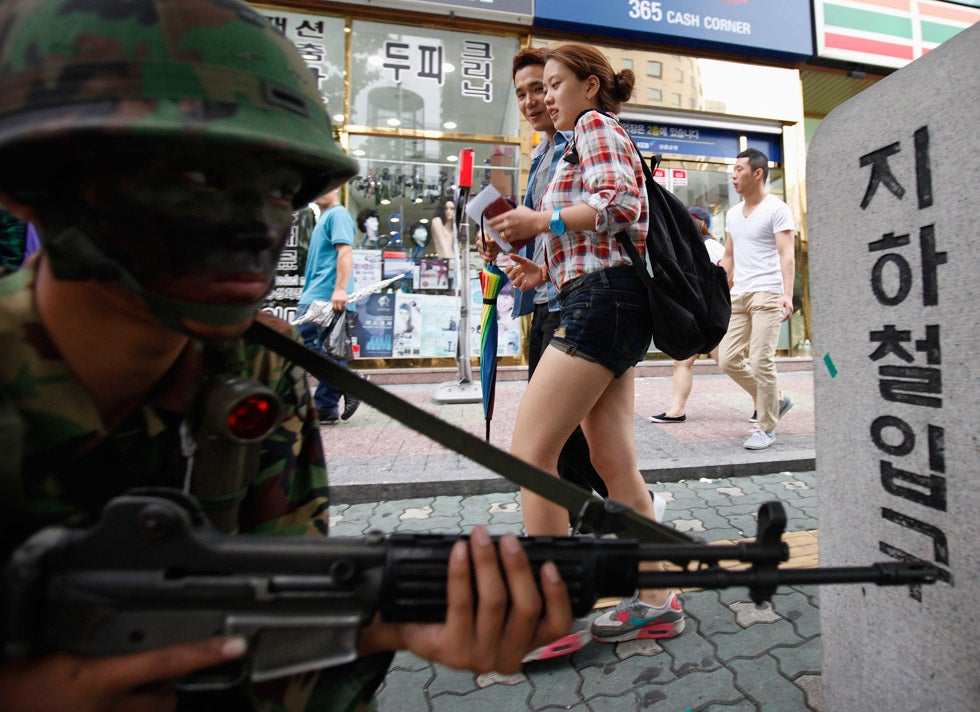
<point>893,177</point>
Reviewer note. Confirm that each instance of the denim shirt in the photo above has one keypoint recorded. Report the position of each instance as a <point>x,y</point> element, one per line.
<point>524,301</point>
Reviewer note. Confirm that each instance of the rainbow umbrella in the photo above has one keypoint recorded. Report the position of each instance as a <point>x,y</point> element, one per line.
<point>492,281</point>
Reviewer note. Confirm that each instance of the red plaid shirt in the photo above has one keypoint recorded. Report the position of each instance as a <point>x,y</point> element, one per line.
<point>609,177</point>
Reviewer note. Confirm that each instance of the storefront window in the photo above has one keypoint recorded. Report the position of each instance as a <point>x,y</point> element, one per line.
<point>407,182</point>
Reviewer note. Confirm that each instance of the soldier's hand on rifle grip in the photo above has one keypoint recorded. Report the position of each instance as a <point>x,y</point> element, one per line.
<point>60,681</point>
<point>490,628</point>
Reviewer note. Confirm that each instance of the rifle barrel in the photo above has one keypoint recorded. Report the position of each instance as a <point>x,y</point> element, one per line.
<point>881,574</point>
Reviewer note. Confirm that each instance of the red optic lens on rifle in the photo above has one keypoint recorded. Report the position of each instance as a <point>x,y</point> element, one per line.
<point>253,417</point>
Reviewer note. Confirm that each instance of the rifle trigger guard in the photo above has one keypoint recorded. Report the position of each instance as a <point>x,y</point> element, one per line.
<point>601,515</point>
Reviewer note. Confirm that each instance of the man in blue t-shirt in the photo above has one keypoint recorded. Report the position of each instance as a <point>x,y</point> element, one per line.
<point>329,277</point>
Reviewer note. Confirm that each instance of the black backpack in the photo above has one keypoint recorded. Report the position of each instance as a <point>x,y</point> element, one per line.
<point>690,302</point>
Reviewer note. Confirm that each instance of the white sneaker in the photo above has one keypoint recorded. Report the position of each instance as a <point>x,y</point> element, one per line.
<point>759,440</point>
<point>659,507</point>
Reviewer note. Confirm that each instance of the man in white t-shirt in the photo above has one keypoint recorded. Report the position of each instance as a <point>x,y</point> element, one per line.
<point>759,261</point>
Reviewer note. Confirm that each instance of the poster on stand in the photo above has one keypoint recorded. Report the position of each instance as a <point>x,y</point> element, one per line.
<point>407,330</point>
<point>375,322</point>
<point>425,325</point>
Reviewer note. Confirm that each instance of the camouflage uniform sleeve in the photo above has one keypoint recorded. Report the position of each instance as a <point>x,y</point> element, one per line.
<point>289,497</point>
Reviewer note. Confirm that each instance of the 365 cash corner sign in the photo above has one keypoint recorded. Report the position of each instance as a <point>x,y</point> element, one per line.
<point>780,28</point>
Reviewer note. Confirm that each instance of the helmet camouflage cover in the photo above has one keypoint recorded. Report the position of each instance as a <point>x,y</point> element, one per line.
<point>79,76</point>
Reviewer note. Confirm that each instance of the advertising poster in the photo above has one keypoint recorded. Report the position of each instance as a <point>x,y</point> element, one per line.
<point>367,268</point>
<point>425,325</point>
<point>407,331</point>
<point>508,327</point>
<point>399,263</point>
<point>375,321</point>
<point>288,285</point>
<point>433,274</point>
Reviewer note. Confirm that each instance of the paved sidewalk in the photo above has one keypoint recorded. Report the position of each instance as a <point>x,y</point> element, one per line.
<point>372,457</point>
<point>731,656</point>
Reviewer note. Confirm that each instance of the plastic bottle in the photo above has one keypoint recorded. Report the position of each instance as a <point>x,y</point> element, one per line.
<point>806,348</point>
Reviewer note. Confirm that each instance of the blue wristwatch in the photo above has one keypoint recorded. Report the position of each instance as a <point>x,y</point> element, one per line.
<point>557,226</point>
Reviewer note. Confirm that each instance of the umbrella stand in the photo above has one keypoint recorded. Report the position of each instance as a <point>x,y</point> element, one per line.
<point>463,390</point>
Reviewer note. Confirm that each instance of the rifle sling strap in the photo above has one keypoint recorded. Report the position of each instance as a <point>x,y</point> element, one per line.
<point>602,515</point>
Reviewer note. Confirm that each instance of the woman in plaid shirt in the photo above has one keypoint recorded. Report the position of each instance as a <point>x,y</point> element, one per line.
<point>586,374</point>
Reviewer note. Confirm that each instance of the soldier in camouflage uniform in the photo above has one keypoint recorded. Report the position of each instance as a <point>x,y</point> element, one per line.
<point>160,146</point>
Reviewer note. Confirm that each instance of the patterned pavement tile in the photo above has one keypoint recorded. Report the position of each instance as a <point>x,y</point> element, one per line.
<point>498,678</point>
<point>755,640</point>
<point>813,689</point>
<point>693,691</point>
<point>748,613</point>
<point>627,702</point>
<point>454,681</point>
<point>760,679</point>
<point>498,698</point>
<point>616,677</point>
<point>802,659</point>
<point>554,689</point>
<point>711,616</point>
<point>799,610</point>
<point>403,690</point>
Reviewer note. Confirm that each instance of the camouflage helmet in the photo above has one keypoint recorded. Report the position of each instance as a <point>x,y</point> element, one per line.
<point>178,73</point>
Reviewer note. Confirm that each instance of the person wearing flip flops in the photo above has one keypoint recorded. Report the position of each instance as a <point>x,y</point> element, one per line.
<point>682,378</point>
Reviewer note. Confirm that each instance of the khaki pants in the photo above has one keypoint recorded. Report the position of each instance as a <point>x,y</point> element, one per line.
<point>748,351</point>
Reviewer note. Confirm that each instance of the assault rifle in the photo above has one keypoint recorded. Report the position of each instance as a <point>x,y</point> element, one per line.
<point>152,572</point>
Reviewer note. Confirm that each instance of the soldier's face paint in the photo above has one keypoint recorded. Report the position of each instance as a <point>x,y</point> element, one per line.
<point>208,231</point>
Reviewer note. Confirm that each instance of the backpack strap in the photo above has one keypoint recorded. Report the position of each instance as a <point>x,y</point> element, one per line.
<point>664,263</point>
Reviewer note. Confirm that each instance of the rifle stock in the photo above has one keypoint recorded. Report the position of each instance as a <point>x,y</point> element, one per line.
<point>152,572</point>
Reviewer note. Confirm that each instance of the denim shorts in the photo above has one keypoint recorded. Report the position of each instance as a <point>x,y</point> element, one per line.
<point>605,318</point>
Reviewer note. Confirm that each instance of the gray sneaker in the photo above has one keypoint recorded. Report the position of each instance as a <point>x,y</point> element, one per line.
<point>785,403</point>
<point>759,440</point>
<point>633,619</point>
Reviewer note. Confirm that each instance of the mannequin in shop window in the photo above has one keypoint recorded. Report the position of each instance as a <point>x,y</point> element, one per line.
<point>420,235</point>
<point>443,228</point>
<point>367,222</point>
